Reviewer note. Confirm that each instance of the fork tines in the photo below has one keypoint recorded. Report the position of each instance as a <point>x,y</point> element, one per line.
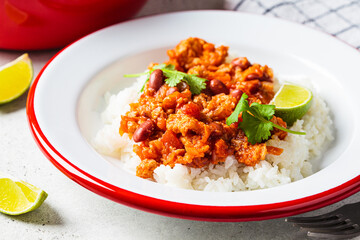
<point>327,226</point>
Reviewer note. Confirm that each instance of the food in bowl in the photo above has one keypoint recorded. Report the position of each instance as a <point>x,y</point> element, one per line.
<point>203,121</point>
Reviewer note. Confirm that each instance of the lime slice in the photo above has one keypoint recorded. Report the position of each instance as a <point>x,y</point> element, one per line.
<point>18,197</point>
<point>292,102</point>
<point>15,78</point>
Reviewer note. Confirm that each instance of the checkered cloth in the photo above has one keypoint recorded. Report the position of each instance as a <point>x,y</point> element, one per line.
<point>340,18</point>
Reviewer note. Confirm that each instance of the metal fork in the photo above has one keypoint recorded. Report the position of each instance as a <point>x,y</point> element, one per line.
<point>343,223</point>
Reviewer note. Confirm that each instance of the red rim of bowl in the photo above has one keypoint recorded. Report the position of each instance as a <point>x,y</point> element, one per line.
<point>176,209</point>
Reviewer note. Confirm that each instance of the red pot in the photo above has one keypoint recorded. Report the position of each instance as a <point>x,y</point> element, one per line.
<point>45,24</point>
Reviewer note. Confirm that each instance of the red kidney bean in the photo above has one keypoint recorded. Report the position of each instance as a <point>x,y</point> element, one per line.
<point>254,86</point>
<point>252,76</point>
<point>214,158</point>
<point>144,131</point>
<point>156,79</point>
<point>241,62</point>
<point>207,90</point>
<point>217,87</point>
<point>182,86</point>
<point>237,93</point>
<point>265,78</point>
<point>171,90</point>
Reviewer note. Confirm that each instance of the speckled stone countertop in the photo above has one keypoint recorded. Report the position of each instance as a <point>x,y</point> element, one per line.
<point>72,212</point>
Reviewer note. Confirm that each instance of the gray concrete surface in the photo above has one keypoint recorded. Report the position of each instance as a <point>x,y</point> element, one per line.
<point>72,212</point>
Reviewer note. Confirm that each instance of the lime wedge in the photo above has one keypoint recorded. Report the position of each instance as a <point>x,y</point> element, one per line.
<point>15,78</point>
<point>18,197</point>
<point>292,102</point>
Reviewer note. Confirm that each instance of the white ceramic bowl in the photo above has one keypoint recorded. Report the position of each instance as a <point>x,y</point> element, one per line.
<point>66,99</point>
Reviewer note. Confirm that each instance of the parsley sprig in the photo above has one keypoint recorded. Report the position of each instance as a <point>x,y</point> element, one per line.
<point>173,77</point>
<point>256,122</point>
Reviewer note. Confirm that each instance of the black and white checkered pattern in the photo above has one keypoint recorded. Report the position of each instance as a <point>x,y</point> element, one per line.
<point>340,18</point>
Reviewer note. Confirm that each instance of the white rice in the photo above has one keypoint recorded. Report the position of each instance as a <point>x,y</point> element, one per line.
<point>300,153</point>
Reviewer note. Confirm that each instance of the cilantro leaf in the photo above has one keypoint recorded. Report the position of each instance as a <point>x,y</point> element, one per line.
<point>265,111</point>
<point>139,75</point>
<point>164,66</point>
<point>242,106</point>
<point>143,86</point>
<point>256,122</point>
<point>136,74</point>
<point>196,83</point>
<point>173,77</point>
<point>255,129</point>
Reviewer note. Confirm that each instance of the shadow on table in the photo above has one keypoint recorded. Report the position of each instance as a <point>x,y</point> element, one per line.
<point>44,215</point>
<point>153,226</point>
<point>15,105</point>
